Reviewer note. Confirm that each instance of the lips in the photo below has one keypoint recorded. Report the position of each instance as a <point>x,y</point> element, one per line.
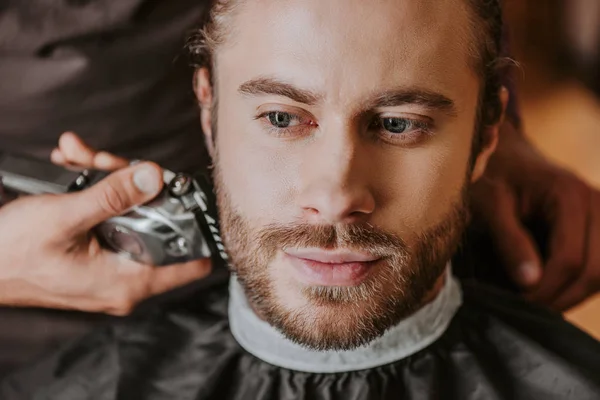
<point>319,267</point>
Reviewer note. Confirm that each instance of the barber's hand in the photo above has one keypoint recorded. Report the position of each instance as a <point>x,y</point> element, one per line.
<point>50,259</point>
<point>521,185</point>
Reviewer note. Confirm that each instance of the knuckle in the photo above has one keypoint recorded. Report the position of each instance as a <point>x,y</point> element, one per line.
<point>120,310</point>
<point>202,272</point>
<point>593,281</point>
<point>111,199</point>
<point>207,270</point>
<point>195,270</point>
<point>571,264</point>
<point>121,303</point>
<point>567,185</point>
<point>204,267</point>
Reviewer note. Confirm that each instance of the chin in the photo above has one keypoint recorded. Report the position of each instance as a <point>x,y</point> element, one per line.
<point>327,317</point>
<point>329,327</point>
<point>324,318</point>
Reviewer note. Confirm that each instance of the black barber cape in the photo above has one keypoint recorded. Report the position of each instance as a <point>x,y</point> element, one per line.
<point>471,342</point>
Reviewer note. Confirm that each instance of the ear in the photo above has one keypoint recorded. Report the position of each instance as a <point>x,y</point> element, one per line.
<point>204,94</point>
<point>491,134</point>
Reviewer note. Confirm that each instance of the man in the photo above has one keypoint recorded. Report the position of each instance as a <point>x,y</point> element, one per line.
<point>343,153</point>
<point>110,71</point>
<point>106,70</point>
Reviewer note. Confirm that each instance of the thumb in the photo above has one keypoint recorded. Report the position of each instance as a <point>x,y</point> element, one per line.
<point>112,196</point>
<point>518,250</point>
<point>496,206</point>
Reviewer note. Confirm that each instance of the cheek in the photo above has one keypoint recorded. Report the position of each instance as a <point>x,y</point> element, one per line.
<point>259,179</point>
<point>426,182</point>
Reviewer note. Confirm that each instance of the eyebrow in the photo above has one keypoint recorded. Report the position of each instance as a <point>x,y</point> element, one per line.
<point>393,98</point>
<point>266,86</point>
<point>425,98</point>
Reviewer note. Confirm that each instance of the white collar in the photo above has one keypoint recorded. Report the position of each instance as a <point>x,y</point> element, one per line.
<point>408,337</point>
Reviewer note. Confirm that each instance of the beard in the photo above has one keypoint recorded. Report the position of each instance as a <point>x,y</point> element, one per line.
<point>337,317</point>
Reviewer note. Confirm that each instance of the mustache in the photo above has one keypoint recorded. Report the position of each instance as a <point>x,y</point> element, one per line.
<point>359,237</point>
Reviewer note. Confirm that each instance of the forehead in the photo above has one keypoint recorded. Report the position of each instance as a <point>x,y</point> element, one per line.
<point>345,46</point>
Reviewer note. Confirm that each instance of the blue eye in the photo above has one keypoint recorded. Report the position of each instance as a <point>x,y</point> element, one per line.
<point>280,119</point>
<point>401,130</point>
<point>284,124</point>
<point>396,125</point>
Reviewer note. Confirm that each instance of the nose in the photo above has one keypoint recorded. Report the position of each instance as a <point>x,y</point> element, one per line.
<point>335,179</point>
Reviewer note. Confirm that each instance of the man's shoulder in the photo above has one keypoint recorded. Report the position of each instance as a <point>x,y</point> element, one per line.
<point>511,308</point>
<point>86,365</point>
<point>535,344</point>
<point>496,306</point>
<point>96,364</point>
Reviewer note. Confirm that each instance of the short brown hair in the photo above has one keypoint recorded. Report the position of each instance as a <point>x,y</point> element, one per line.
<point>487,19</point>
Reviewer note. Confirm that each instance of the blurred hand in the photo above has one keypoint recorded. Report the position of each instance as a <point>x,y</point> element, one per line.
<point>74,153</point>
<point>49,257</point>
<point>520,185</point>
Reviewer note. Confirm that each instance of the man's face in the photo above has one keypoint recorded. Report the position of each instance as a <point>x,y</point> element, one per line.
<point>342,158</point>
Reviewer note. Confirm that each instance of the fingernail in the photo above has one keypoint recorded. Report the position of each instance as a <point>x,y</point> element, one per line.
<point>147,179</point>
<point>529,273</point>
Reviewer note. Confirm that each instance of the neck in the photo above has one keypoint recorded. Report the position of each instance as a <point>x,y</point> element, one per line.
<point>406,338</point>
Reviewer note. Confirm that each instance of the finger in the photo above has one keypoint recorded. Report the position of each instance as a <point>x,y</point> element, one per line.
<point>513,242</point>
<point>588,282</point>
<point>170,277</point>
<point>114,195</point>
<point>79,153</point>
<point>518,251</point>
<point>137,282</point>
<point>575,294</point>
<point>567,219</point>
<point>105,161</point>
<point>75,150</point>
<point>58,158</point>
